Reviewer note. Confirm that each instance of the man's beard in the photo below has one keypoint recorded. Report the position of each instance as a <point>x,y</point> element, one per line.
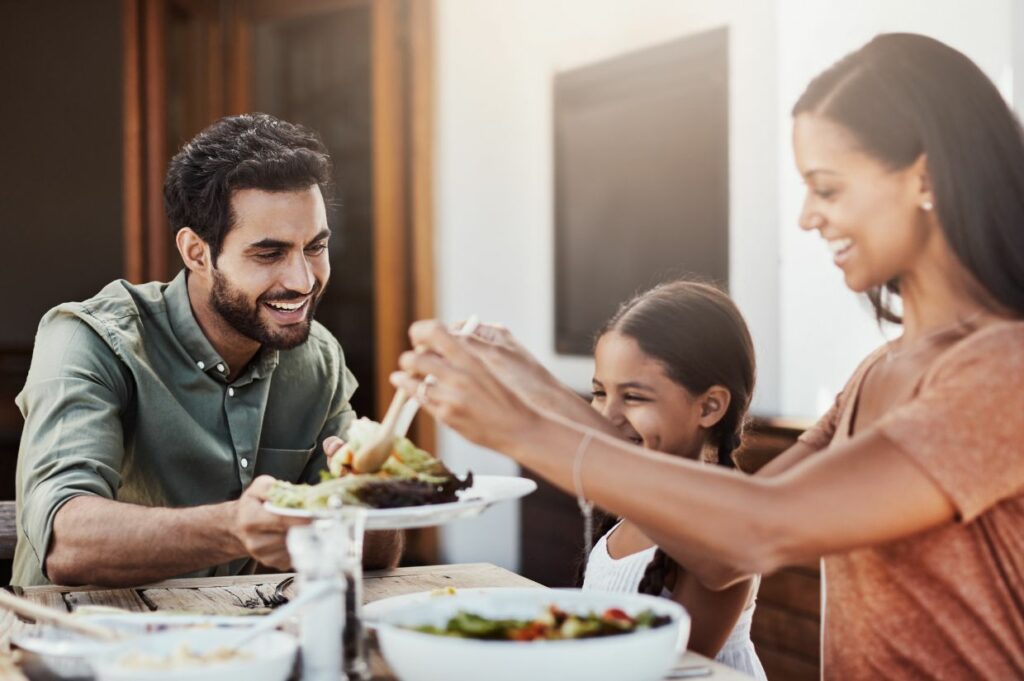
<point>243,317</point>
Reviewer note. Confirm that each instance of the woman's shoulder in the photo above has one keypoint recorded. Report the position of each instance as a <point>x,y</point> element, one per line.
<point>867,363</point>
<point>1007,332</point>
<point>998,345</point>
<point>850,389</point>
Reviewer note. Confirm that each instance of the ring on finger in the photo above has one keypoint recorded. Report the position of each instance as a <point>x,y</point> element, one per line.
<point>425,385</point>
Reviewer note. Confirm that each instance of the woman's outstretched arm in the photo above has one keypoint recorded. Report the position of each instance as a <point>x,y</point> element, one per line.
<point>724,526</point>
<point>863,492</point>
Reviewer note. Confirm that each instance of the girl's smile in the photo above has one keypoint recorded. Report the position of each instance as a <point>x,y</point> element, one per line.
<point>632,391</point>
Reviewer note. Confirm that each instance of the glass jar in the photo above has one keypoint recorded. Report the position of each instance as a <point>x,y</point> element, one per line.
<point>331,632</point>
<point>317,557</point>
<point>352,523</point>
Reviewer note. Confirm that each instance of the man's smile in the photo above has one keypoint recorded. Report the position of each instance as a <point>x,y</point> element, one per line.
<point>288,312</point>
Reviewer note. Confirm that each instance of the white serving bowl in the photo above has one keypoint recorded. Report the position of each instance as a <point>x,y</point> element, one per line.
<point>640,656</point>
<point>269,657</point>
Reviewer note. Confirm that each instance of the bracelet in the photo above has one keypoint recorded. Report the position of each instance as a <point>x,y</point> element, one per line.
<point>577,465</point>
<point>586,507</point>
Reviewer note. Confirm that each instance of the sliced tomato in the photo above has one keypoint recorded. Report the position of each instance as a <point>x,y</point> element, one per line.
<point>617,614</point>
<point>530,632</point>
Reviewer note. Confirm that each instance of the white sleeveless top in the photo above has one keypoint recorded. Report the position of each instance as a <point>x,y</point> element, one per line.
<point>623,575</point>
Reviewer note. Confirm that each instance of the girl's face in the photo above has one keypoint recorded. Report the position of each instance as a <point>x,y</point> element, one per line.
<point>870,215</point>
<point>632,391</point>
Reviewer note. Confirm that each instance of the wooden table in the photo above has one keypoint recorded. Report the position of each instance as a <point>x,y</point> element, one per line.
<point>235,595</point>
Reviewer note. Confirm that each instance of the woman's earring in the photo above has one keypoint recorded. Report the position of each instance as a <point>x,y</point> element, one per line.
<point>710,407</point>
<point>927,205</point>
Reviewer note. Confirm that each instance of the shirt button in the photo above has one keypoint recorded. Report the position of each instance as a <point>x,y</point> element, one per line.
<point>244,462</point>
<point>201,364</point>
<point>231,392</point>
<point>220,368</point>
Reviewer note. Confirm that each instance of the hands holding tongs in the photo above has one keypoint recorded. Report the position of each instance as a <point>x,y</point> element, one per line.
<point>372,455</point>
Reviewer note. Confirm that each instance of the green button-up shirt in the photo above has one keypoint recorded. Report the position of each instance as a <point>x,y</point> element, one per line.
<point>127,399</point>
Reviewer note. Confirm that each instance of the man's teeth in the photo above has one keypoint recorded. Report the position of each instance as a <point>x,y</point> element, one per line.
<point>287,307</point>
<point>837,246</point>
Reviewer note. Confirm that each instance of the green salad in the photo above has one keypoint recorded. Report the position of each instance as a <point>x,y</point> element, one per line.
<point>409,477</point>
<point>553,624</point>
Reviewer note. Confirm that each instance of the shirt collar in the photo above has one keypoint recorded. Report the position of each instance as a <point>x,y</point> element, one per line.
<point>186,328</point>
<point>264,363</point>
<point>198,346</point>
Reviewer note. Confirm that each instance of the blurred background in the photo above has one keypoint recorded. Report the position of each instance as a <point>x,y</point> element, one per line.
<point>534,162</point>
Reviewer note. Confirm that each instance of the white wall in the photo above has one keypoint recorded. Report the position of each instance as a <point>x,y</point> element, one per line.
<point>494,172</point>
<point>494,191</point>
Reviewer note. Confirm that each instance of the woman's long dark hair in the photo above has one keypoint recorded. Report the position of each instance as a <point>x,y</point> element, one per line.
<point>698,335</point>
<point>904,95</point>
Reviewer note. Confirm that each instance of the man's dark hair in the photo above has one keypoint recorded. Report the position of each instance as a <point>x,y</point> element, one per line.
<point>250,151</point>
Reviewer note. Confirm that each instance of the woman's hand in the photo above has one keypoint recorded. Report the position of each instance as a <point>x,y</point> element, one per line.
<point>513,364</point>
<point>463,392</point>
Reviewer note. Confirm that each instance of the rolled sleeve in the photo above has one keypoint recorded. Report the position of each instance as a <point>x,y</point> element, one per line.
<point>821,433</point>
<point>73,440</point>
<point>819,436</point>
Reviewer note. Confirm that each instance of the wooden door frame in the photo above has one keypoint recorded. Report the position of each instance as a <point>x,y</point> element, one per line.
<point>403,125</point>
<point>144,155</point>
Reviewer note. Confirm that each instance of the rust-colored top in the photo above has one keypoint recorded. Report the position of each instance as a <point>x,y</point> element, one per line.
<point>947,603</point>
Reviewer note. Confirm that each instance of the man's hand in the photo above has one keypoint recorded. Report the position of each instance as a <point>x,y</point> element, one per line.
<point>261,532</point>
<point>332,446</point>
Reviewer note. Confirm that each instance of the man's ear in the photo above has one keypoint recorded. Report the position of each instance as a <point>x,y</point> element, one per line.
<point>194,251</point>
<point>714,404</point>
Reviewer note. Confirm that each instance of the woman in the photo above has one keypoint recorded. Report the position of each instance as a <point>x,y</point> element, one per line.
<point>912,486</point>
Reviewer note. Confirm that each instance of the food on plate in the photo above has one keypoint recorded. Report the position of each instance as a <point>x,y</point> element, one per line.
<point>409,477</point>
<point>553,624</point>
<point>183,656</point>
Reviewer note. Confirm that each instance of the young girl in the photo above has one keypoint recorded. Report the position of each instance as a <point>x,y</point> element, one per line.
<point>674,371</point>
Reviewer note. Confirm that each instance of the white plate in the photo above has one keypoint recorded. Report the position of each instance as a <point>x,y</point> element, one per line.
<point>486,491</point>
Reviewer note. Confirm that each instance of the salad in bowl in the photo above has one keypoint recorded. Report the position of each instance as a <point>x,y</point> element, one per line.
<point>521,633</point>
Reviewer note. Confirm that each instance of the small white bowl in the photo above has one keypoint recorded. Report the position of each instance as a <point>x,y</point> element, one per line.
<point>639,656</point>
<point>49,652</point>
<point>270,657</point>
<point>60,654</point>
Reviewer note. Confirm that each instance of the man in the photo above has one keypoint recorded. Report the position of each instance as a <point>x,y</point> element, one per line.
<point>157,415</point>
